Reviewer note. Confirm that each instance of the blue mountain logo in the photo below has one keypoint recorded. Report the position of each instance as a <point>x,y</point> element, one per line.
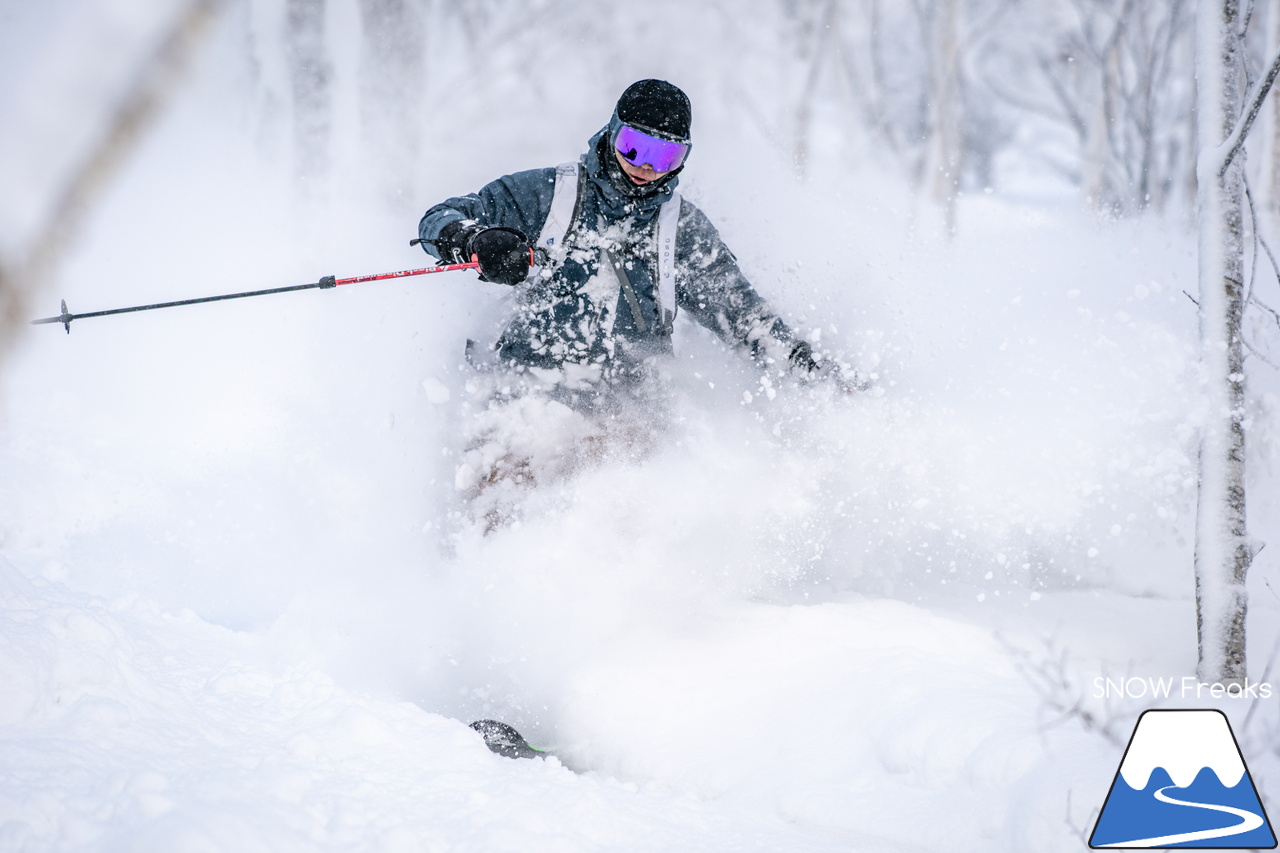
<point>1183,783</point>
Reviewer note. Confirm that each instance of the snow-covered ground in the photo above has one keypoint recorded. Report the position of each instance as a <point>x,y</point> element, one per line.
<point>239,609</point>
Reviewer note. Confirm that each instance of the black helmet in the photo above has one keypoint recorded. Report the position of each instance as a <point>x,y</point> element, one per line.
<point>651,106</point>
<point>656,107</point>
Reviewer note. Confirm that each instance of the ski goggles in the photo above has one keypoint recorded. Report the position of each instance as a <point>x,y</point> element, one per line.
<point>639,148</point>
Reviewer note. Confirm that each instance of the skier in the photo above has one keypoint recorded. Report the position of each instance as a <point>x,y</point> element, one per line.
<point>603,253</point>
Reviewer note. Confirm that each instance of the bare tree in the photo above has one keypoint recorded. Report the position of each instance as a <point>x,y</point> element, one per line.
<point>393,68</point>
<point>1109,73</point>
<point>311,76</point>
<point>1224,551</point>
<point>945,147</point>
<point>815,44</point>
<point>907,67</point>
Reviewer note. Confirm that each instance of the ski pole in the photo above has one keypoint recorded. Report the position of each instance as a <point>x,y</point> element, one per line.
<point>328,281</point>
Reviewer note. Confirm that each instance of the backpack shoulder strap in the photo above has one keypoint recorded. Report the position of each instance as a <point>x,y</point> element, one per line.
<point>668,225</point>
<point>564,202</point>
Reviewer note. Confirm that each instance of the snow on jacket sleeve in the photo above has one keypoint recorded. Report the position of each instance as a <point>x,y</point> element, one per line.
<point>521,201</point>
<point>711,287</point>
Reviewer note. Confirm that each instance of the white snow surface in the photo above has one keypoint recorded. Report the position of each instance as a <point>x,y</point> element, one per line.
<point>240,608</point>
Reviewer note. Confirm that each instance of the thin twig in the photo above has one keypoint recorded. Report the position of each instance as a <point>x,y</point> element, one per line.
<point>1249,296</point>
<point>1251,348</point>
<point>1253,223</point>
<point>1077,831</point>
<point>1050,678</point>
<point>1064,98</point>
<point>1275,315</point>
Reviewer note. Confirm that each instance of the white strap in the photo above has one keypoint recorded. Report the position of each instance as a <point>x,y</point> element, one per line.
<point>563,200</point>
<point>668,224</point>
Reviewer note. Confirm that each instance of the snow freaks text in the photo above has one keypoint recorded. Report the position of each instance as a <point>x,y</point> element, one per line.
<point>1187,687</point>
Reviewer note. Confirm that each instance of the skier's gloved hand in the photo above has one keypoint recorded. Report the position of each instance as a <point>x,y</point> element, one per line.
<point>503,254</point>
<point>802,360</point>
<point>451,243</point>
<point>812,368</point>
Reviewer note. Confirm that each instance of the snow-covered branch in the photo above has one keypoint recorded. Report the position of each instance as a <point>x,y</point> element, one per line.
<point>1255,100</point>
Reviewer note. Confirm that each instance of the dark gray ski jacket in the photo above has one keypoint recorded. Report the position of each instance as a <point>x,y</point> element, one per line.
<point>576,310</point>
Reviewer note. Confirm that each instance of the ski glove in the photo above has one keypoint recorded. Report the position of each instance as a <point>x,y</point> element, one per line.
<point>503,253</point>
<point>810,369</point>
<point>802,360</point>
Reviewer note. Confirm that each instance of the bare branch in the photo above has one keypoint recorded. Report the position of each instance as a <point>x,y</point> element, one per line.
<point>1253,223</point>
<point>1173,27</point>
<point>1080,832</point>
<point>1254,350</point>
<point>1255,99</point>
<point>1049,674</point>
<point>997,87</point>
<point>1064,98</point>
<point>983,28</point>
<point>804,112</point>
<point>866,95</point>
<point>140,105</point>
<point>1250,298</point>
<point>1275,315</point>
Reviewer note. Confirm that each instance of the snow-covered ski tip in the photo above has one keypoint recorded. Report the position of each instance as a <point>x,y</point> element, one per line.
<point>505,740</point>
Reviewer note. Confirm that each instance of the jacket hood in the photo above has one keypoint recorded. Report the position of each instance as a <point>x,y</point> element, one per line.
<point>618,195</point>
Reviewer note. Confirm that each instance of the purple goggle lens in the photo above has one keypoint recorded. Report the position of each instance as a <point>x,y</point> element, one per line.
<point>639,148</point>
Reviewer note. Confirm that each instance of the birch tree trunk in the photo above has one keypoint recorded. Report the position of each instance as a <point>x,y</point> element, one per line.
<point>946,142</point>
<point>804,111</point>
<point>1223,552</point>
<point>394,67</point>
<point>311,73</point>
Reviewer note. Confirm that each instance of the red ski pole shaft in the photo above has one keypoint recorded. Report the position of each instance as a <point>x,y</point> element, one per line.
<point>473,265</point>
